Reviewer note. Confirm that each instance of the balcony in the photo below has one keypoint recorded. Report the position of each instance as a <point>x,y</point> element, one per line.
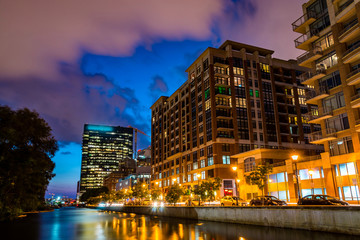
<point>353,78</point>
<point>304,41</point>
<point>222,82</point>
<point>327,113</point>
<point>345,11</point>
<point>319,138</point>
<point>308,78</point>
<point>350,32</point>
<point>355,101</point>
<point>313,96</point>
<point>302,22</point>
<point>307,58</point>
<point>352,54</point>
<point>357,125</point>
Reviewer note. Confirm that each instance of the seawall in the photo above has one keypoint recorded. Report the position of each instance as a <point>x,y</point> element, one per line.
<point>337,219</point>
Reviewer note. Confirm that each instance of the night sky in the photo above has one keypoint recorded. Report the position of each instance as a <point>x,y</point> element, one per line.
<point>106,62</point>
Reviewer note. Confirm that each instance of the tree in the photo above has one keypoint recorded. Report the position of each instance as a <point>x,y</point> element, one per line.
<point>94,192</point>
<point>140,190</point>
<point>155,193</point>
<point>26,148</point>
<point>259,176</point>
<point>210,186</point>
<point>174,193</point>
<point>206,190</point>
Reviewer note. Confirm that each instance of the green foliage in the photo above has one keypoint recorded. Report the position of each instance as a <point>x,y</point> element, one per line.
<point>120,195</point>
<point>155,193</point>
<point>95,192</point>
<point>140,190</point>
<point>26,149</point>
<point>207,189</point>
<point>259,175</point>
<point>174,193</point>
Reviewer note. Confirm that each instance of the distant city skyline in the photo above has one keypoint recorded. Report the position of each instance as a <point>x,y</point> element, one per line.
<point>102,65</point>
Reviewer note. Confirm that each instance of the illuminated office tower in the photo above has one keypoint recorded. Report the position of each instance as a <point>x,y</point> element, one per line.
<point>105,149</point>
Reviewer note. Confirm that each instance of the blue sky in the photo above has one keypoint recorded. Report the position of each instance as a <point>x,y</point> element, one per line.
<point>107,62</point>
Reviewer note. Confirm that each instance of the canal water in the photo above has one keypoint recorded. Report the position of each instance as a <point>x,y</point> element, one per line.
<point>90,224</point>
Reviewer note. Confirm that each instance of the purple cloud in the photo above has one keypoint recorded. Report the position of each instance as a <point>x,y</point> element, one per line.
<point>159,84</point>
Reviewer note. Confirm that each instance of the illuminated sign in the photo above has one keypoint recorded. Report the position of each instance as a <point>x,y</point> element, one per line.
<point>99,128</point>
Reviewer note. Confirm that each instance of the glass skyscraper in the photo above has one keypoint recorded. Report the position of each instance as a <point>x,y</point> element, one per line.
<point>105,149</point>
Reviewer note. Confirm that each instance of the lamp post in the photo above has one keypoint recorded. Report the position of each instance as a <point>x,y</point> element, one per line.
<point>198,177</point>
<point>311,172</point>
<point>236,187</point>
<point>295,158</point>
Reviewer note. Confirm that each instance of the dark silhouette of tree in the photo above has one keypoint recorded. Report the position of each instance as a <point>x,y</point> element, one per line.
<point>26,148</point>
<point>93,193</point>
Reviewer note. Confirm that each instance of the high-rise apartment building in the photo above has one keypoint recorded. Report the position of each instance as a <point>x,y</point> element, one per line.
<point>105,149</point>
<point>237,98</point>
<point>331,39</point>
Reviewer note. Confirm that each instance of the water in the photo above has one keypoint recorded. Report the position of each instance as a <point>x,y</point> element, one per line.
<point>72,223</point>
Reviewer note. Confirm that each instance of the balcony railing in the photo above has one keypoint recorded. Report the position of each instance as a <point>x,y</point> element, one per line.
<point>222,81</point>
<point>318,136</point>
<point>314,93</point>
<point>306,36</point>
<point>327,111</point>
<point>301,20</point>
<point>308,75</point>
<point>307,55</point>
<point>342,7</point>
<point>352,48</point>
<point>353,23</point>
<point>356,71</point>
<point>355,97</point>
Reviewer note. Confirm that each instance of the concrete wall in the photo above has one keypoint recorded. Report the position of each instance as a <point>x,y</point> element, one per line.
<point>330,219</point>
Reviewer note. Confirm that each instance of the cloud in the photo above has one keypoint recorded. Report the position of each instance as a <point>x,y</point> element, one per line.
<point>262,23</point>
<point>75,99</point>
<point>37,34</point>
<point>158,84</point>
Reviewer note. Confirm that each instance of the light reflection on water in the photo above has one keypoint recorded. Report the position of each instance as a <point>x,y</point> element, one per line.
<point>71,223</point>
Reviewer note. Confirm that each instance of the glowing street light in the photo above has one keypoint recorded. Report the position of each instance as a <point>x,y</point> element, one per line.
<point>234,168</point>
<point>295,158</point>
<point>198,177</point>
<point>311,172</point>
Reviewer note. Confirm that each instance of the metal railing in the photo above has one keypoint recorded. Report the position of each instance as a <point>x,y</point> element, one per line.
<point>321,90</point>
<point>355,97</point>
<point>307,75</point>
<point>305,56</point>
<point>342,7</point>
<point>301,20</point>
<point>325,111</point>
<point>353,73</point>
<point>315,136</point>
<point>352,48</point>
<point>344,30</point>
<point>306,36</point>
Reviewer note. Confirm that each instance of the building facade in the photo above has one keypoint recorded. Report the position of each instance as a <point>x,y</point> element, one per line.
<point>331,40</point>
<point>237,98</point>
<point>105,149</point>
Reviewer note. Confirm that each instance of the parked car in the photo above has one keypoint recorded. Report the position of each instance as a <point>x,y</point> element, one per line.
<point>267,201</point>
<point>193,203</point>
<point>231,201</point>
<point>321,200</point>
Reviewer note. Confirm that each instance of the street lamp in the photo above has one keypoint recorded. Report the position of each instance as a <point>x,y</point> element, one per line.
<point>174,180</point>
<point>311,172</point>
<point>198,177</point>
<point>236,187</point>
<point>295,158</point>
